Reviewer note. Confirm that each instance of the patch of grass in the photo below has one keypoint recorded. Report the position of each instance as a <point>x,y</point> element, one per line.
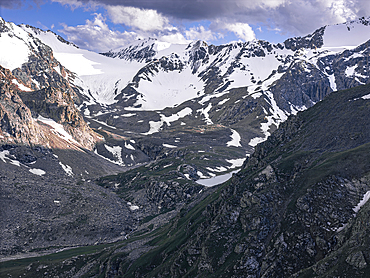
<point>16,268</point>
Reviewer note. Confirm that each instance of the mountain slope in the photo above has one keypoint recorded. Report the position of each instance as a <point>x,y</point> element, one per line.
<point>298,208</point>
<point>150,88</point>
<point>294,203</point>
<point>244,89</point>
<point>35,71</point>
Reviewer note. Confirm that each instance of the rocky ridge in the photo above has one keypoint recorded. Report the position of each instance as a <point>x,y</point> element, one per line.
<point>45,88</point>
<point>17,124</point>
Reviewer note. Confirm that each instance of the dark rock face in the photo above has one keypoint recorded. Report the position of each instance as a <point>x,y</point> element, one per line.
<point>140,52</point>
<point>16,123</point>
<point>313,41</point>
<point>301,85</point>
<point>59,106</point>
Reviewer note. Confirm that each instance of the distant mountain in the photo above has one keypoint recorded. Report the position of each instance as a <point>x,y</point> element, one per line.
<point>156,89</point>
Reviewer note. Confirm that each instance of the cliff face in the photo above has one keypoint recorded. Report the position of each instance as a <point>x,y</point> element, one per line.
<point>16,123</point>
<point>39,86</point>
<point>58,105</point>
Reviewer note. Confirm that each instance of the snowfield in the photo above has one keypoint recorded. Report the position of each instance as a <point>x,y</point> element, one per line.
<point>167,89</point>
<point>216,180</point>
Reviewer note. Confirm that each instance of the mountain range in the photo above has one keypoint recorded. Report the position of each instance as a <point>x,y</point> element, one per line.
<point>126,153</point>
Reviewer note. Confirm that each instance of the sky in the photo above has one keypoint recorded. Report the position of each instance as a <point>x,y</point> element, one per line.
<point>102,25</point>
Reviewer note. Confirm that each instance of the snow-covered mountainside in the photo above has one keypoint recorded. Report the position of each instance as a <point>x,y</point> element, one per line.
<point>36,84</point>
<point>246,88</point>
<point>159,98</point>
<point>160,75</point>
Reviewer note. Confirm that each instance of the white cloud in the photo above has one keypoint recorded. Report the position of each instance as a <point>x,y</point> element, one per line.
<point>158,19</point>
<point>340,9</point>
<point>200,33</point>
<point>300,17</point>
<point>146,23</point>
<point>176,37</point>
<point>140,19</point>
<point>286,17</point>
<point>73,3</point>
<point>241,30</point>
<point>95,35</point>
<point>293,17</point>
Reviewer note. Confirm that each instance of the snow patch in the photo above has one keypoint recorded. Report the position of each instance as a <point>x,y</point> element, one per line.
<point>167,89</point>
<point>333,85</point>
<point>21,86</point>
<point>105,124</point>
<point>169,146</point>
<point>38,172</point>
<point>235,139</point>
<point>14,51</point>
<point>366,97</point>
<point>4,155</point>
<point>216,180</point>
<point>235,163</point>
<point>128,115</point>
<point>209,97</point>
<point>133,207</point>
<point>350,71</point>
<point>57,129</point>
<point>67,169</point>
<point>201,175</point>
<point>277,116</point>
<point>100,77</point>
<point>78,63</point>
<point>116,151</point>
<point>218,169</point>
<point>129,146</point>
<point>156,126</point>
<point>205,112</point>
<point>223,101</point>
<point>111,161</point>
<point>362,202</point>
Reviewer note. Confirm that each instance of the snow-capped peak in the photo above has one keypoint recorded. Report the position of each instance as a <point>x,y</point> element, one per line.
<point>347,35</point>
<point>14,40</point>
<point>145,50</point>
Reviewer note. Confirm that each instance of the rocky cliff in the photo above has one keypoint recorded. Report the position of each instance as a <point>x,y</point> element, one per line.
<point>17,125</point>
<point>41,86</point>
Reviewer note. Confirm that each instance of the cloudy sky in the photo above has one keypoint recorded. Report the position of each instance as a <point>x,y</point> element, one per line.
<point>101,25</point>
